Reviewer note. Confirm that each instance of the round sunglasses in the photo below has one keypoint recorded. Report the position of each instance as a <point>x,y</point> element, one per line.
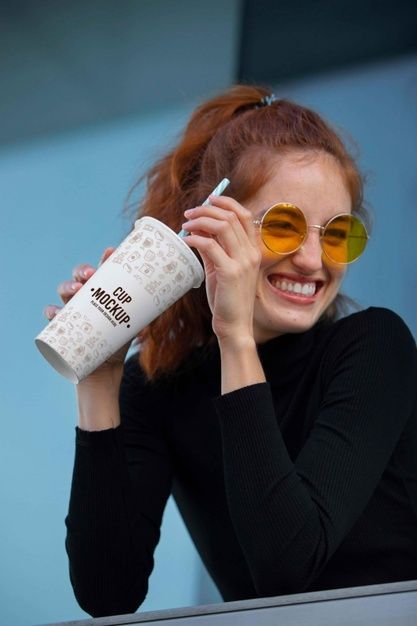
<point>284,229</point>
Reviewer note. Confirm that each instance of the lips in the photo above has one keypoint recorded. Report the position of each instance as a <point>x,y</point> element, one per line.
<point>298,286</point>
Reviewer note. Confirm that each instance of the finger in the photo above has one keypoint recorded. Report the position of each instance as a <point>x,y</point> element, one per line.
<point>246,216</point>
<point>51,310</point>
<point>67,289</point>
<point>224,229</point>
<point>244,255</point>
<point>221,230</point>
<point>209,249</point>
<point>81,273</point>
<point>107,252</point>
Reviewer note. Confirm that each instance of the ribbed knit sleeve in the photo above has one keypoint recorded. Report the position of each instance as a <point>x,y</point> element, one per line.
<point>121,482</point>
<point>291,515</point>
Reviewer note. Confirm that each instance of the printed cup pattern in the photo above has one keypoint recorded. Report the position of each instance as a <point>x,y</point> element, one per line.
<point>160,261</point>
<point>72,335</point>
<point>150,270</point>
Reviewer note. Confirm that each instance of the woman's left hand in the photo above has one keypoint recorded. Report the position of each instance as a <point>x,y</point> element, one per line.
<point>224,235</point>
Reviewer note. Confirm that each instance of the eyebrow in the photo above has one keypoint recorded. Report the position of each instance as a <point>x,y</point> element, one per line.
<point>261,213</point>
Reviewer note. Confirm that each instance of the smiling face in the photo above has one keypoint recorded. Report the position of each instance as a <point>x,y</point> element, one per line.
<point>294,290</point>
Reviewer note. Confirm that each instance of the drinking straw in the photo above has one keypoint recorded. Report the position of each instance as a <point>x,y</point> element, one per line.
<point>216,192</point>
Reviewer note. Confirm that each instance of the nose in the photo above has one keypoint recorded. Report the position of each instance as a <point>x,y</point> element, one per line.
<point>308,258</point>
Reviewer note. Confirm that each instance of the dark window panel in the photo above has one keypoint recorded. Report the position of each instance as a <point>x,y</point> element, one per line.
<point>284,39</point>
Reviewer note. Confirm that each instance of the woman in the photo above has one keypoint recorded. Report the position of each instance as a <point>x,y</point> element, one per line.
<point>286,434</point>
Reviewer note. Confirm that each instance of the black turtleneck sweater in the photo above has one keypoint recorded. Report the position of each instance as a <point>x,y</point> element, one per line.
<point>302,483</point>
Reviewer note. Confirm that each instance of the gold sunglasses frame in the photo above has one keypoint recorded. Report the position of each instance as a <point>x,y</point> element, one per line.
<point>321,229</point>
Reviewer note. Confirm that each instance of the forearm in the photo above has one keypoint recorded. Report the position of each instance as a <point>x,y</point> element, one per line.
<point>109,571</point>
<point>98,405</point>
<point>121,481</point>
<point>240,364</point>
<point>272,512</point>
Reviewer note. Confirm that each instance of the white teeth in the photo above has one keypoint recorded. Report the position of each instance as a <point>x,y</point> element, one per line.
<point>305,289</point>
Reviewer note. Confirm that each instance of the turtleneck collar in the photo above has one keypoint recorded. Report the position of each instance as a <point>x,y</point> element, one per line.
<point>285,357</point>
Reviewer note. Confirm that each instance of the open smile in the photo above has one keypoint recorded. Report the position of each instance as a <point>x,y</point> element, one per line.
<point>295,289</point>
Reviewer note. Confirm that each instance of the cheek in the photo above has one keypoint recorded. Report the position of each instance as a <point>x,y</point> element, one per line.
<point>268,258</point>
<point>336,275</point>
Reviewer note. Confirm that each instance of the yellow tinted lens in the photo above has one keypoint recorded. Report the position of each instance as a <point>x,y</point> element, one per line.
<point>344,238</point>
<point>283,228</point>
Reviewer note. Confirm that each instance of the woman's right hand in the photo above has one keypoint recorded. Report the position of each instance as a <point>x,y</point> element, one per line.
<point>110,371</point>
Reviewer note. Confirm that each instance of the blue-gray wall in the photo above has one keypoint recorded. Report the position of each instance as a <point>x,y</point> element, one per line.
<point>61,202</point>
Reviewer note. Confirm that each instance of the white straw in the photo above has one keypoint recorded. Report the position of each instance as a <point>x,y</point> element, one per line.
<point>216,192</point>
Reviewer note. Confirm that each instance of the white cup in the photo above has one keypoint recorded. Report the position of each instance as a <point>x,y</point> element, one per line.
<point>149,271</point>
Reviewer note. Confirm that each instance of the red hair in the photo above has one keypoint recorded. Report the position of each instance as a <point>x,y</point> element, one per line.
<point>226,136</point>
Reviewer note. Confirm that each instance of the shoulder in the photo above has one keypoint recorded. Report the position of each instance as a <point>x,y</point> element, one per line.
<point>372,314</point>
<point>376,323</point>
<point>372,336</point>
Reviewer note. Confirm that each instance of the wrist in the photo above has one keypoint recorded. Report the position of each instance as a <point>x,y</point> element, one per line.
<point>240,364</point>
<point>105,379</point>
<point>238,343</point>
<point>98,405</point>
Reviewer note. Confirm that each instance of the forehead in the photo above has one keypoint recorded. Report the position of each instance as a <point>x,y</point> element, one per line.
<point>313,181</point>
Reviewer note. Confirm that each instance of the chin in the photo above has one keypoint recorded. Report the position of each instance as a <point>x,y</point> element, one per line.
<point>271,322</point>
<point>289,302</point>
<point>286,325</point>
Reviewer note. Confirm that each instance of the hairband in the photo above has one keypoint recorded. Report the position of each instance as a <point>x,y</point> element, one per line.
<point>266,101</point>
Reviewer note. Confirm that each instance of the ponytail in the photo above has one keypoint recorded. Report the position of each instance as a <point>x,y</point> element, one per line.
<point>174,184</point>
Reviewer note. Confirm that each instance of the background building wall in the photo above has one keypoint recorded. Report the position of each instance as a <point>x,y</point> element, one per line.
<point>62,194</point>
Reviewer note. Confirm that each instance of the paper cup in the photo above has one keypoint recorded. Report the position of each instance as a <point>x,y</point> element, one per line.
<point>150,270</point>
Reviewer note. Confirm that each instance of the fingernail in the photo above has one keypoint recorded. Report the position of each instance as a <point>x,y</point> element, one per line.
<point>83,273</point>
<point>188,212</point>
<point>73,286</point>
